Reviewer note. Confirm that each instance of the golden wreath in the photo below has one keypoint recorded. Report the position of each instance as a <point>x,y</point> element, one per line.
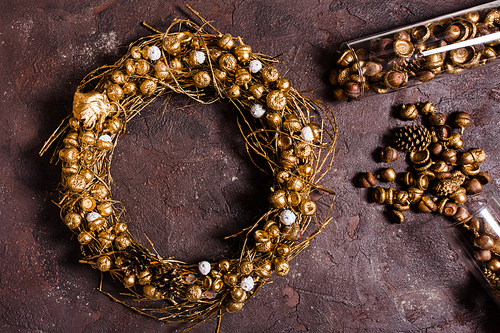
<point>275,122</point>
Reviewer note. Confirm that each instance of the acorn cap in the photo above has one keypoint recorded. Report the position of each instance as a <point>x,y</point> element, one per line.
<point>403,48</point>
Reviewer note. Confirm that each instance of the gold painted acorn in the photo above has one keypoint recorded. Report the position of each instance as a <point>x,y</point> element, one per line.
<point>278,199</point>
<point>242,53</point>
<point>281,266</point>
<point>292,123</point>
<point>409,112</point>
<point>73,220</point>
<point>202,79</point>
<point>276,100</point>
<point>226,42</point>
<point>172,45</point>
<point>227,62</point>
<point>193,293</point>
<point>462,121</point>
<point>269,74</point>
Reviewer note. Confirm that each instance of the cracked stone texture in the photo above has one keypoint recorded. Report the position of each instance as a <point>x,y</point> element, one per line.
<point>186,180</point>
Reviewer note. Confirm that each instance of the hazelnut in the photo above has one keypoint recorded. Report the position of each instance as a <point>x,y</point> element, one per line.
<point>352,90</point>
<point>444,132</point>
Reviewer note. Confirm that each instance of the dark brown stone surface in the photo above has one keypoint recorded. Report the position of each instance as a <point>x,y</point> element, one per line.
<point>186,180</point>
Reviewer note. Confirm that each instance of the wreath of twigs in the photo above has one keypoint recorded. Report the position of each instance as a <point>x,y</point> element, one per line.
<point>281,139</point>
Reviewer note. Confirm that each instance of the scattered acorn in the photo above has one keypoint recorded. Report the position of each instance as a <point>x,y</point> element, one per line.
<point>389,154</point>
<point>367,180</point>
<point>388,174</point>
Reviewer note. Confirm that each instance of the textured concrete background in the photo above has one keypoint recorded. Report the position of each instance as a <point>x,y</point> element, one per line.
<point>186,180</point>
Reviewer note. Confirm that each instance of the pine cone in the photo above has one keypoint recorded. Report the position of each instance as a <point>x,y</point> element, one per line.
<point>412,138</point>
<point>449,185</point>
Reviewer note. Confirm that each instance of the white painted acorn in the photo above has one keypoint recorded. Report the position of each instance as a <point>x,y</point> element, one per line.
<point>92,216</point>
<point>204,267</point>
<point>257,110</point>
<point>154,53</point>
<point>287,217</point>
<point>255,66</point>
<point>104,142</point>
<point>200,57</point>
<point>306,133</point>
<point>247,283</point>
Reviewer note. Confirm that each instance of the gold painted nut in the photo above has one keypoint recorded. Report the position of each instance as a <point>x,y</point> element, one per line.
<point>388,174</point>
<point>478,154</point>
<point>414,194</point>
<point>401,207</point>
<point>261,236</point>
<point>420,157</point>
<point>462,55</point>
<point>276,100</point>
<point>401,197</point>
<point>389,196</point>
<point>441,203</point>
<point>403,48</point>
<point>397,216</point>
<point>378,195</point>
<point>420,34</point>
<point>409,112</point>
<point>430,175</point>
<point>427,205</point>
<point>470,169</point>
<point>407,179</point>
<point>346,58</point>
<point>422,182</point>
<point>459,196</point>
<point>440,166</point>
<point>423,167</point>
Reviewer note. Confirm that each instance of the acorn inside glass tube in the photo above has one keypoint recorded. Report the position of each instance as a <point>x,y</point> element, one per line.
<point>410,55</point>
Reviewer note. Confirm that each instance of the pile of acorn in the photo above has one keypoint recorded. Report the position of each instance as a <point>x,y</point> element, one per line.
<point>394,60</point>
<point>442,174</point>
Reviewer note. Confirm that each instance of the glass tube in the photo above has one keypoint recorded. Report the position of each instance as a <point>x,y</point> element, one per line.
<point>413,54</point>
<point>477,241</point>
